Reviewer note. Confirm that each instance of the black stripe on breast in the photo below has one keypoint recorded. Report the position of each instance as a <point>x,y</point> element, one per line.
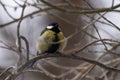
<point>54,47</point>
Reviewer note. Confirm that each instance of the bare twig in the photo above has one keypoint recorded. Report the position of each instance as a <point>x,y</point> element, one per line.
<point>7,11</point>
<point>89,44</point>
<point>18,27</point>
<point>26,16</point>
<point>113,1</point>
<point>23,67</point>
<point>91,68</point>
<point>29,15</point>
<point>6,71</point>
<point>114,25</point>
<point>100,37</point>
<point>80,11</point>
<point>8,46</point>
<point>27,47</point>
<point>18,3</point>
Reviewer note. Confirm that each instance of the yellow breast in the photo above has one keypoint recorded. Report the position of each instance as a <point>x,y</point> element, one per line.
<point>46,39</point>
<point>62,41</point>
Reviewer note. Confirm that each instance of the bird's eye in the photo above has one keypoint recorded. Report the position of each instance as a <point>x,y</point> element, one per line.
<point>49,27</point>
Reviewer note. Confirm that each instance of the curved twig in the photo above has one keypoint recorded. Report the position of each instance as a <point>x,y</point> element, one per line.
<point>27,47</point>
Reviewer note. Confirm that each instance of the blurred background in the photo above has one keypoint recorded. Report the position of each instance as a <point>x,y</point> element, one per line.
<point>98,41</point>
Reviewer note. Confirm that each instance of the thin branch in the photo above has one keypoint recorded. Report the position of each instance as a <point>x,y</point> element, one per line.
<point>91,43</point>
<point>64,67</point>
<point>7,11</point>
<point>113,1</point>
<point>100,21</point>
<point>58,55</point>
<point>18,33</point>
<point>100,37</point>
<point>117,27</point>
<point>29,15</point>
<point>18,27</point>
<point>80,11</point>
<point>81,74</point>
<point>18,3</point>
<point>67,56</point>
<point>85,27</point>
<point>47,72</point>
<point>6,71</point>
<point>8,46</point>
<point>27,47</point>
<point>92,66</point>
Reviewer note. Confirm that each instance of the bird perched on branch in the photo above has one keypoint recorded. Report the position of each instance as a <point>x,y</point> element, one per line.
<point>51,39</point>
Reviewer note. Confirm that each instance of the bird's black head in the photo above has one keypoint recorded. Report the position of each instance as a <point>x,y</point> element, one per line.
<point>54,27</point>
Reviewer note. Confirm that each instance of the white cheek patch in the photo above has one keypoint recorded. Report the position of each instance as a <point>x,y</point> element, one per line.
<point>49,27</point>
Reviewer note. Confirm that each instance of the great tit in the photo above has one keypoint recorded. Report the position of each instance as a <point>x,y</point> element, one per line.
<point>51,39</point>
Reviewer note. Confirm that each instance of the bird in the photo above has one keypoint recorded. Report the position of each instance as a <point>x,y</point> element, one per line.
<point>51,39</point>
